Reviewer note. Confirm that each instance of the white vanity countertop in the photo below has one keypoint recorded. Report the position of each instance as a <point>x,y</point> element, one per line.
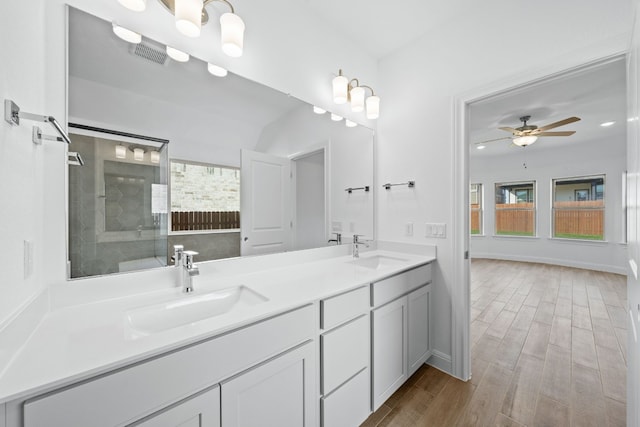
<point>79,341</point>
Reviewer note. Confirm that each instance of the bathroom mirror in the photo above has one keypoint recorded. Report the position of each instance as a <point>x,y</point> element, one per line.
<point>294,166</point>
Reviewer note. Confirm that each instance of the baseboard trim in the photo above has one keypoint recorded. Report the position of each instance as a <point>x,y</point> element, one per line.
<point>562,262</point>
<point>441,361</point>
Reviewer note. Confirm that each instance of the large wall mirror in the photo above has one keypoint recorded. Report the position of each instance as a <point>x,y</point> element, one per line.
<point>176,155</point>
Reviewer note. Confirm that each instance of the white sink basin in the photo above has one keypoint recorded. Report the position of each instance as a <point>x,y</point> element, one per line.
<point>191,308</point>
<point>375,262</point>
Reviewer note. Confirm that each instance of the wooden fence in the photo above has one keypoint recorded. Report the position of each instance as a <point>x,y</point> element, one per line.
<point>190,221</point>
<point>575,219</point>
<point>515,218</point>
<point>475,218</point>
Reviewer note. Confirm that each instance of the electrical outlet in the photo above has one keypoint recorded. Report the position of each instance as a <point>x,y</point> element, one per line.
<point>435,230</point>
<point>408,229</point>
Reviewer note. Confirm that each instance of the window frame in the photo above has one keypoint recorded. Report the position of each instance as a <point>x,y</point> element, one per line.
<point>480,197</point>
<point>532,193</point>
<point>593,196</point>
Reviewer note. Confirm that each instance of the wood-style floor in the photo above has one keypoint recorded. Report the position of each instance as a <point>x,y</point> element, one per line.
<point>548,349</point>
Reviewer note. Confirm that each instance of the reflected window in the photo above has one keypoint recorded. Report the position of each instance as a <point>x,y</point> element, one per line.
<point>516,209</point>
<point>204,197</point>
<point>476,206</point>
<point>578,208</point>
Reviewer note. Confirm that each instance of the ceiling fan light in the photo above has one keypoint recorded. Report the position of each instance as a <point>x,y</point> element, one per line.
<point>340,89</point>
<point>357,99</point>
<point>523,141</point>
<point>232,34</point>
<point>177,55</point>
<point>373,107</point>
<point>189,17</point>
<point>135,5</point>
<point>126,34</point>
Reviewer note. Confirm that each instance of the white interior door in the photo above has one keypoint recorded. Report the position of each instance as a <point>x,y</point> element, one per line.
<point>265,209</point>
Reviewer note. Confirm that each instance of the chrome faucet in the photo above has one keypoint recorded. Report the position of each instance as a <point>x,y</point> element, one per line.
<point>178,252</point>
<point>338,239</point>
<point>189,270</point>
<point>356,244</point>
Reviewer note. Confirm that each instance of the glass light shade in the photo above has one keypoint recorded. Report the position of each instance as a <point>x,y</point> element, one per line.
<point>135,5</point>
<point>232,34</point>
<point>216,70</point>
<point>138,154</point>
<point>481,147</point>
<point>357,99</point>
<point>121,151</point>
<point>126,34</point>
<point>373,107</point>
<point>177,55</point>
<point>319,110</point>
<point>189,17</point>
<point>350,124</point>
<point>340,88</point>
<point>335,117</point>
<point>523,141</point>
<point>155,156</point>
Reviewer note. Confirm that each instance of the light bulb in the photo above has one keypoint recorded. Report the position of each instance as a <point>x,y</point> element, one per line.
<point>340,89</point>
<point>350,124</point>
<point>373,107</point>
<point>357,99</point>
<point>126,34</point>
<point>189,17</point>
<point>232,34</point>
<point>121,151</point>
<point>216,70</point>
<point>135,5</point>
<point>177,55</point>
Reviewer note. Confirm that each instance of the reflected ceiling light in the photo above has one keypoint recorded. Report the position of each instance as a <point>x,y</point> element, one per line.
<point>607,124</point>
<point>335,117</point>
<point>126,34</point>
<point>216,70</point>
<point>632,119</point>
<point>155,156</point>
<point>523,141</point>
<point>191,15</point>
<point>121,151</point>
<point>138,154</point>
<point>177,55</point>
<point>319,110</point>
<point>350,124</point>
<point>345,90</point>
<point>481,147</point>
<point>135,5</point>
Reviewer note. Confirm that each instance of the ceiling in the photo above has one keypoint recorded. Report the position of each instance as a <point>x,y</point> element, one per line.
<point>595,95</point>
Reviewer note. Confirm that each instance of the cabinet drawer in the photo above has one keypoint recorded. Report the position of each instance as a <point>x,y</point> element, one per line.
<point>135,392</point>
<point>391,288</point>
<point>345,351</point>
<point>339,309</point>
<point>202,410</point>
<point>349,405</point>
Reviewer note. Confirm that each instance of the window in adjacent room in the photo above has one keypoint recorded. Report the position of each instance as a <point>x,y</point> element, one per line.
<point>578,208</point>
<point>476,205</point>
<point>204,196</point>
<point>515,205</point>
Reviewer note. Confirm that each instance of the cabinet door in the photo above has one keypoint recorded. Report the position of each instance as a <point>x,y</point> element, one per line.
<point>418,328</point>
<point>203,410</point>
<point>389,349</point>
<point>279,392</point>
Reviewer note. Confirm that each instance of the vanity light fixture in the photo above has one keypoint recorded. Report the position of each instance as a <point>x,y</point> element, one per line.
<point>335,117</point>
<point>523,141</point>
<point>345,90</point>
<point>135,5</point>
<point>121,151</point>
<point>138,154</point>
<point>350,124</point>
<point>155,156</point>
<point>126,34</point>
<point>216,70</point>
<point>177,55</point>
<point>190,15</point>
<point>319,110</point>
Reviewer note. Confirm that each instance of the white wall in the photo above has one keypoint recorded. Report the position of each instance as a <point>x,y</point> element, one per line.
<point>478,52</point>
<point>601,157</point>
<point>310,222</point>
<point>33,73</point>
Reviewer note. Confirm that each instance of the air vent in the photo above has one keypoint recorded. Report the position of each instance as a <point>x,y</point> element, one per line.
<point>150,52</point>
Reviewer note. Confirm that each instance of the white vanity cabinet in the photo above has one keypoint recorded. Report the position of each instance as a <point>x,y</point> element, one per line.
<point>202,410</point>
<point>344,359</point>
<point>400,330</point>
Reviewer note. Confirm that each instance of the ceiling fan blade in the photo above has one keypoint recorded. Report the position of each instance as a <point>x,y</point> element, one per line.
<point>492,140</point>
<point>561,133</point>
<point>512,130</point>
<point>557,124</point>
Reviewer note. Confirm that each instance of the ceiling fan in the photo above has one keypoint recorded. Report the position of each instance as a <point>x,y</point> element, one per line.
<point>528,134</point>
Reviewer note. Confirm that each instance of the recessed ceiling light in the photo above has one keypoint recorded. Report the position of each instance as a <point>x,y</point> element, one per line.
<point>319,110</point>
<point>481,147</point>
<point>607,124</point>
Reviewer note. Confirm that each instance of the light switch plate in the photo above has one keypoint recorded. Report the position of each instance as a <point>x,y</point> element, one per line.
<point>408,229</point>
